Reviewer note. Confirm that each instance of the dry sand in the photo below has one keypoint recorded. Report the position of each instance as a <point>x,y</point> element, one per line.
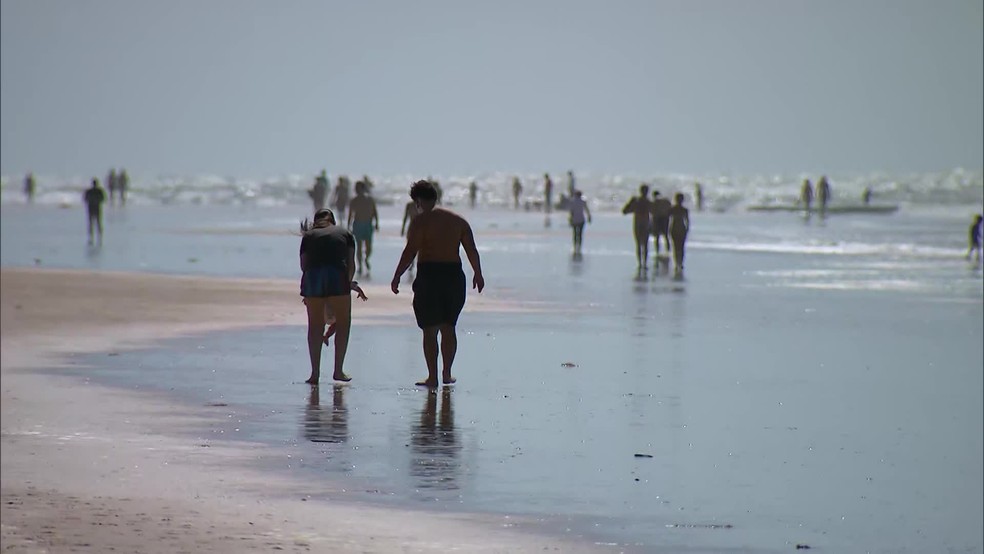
<point>86,468</point>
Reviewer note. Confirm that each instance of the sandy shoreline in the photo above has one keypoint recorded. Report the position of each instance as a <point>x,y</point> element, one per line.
<point>84,470</point>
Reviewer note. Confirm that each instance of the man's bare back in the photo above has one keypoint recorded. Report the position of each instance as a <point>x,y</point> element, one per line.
<point>362,208</point>
<point>438,234</point>
<point>435,237</point>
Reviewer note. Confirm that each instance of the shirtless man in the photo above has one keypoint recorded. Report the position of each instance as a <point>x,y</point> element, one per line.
<point>547,193</point>
<point>661,221</point>
<point>435,235</point>
<point>642,209</point>
<point>409,212</point>
<point>362,215</point>
<point>123,185</point>
<point>340,197</point>
<point>29,187</point>
<point>823,194</point>
<point>806,195</point>
<point>517,190</point>
<point>94,197</point>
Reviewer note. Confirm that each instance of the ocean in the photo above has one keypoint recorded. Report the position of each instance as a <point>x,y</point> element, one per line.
<point>806,381</point>
<point>722,192</point>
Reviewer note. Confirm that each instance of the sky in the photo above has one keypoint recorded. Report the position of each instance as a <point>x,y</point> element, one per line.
<point>261,88</point>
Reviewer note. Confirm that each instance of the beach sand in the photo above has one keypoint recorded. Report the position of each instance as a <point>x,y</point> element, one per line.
<point>84,469</point>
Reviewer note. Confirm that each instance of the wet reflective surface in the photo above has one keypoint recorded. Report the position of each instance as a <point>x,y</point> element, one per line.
<point>674,424</point>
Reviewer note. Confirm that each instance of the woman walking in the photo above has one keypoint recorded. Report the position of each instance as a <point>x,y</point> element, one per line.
<point>327,266</point>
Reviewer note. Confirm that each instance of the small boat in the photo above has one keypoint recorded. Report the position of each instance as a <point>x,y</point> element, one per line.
<point>844,209</point>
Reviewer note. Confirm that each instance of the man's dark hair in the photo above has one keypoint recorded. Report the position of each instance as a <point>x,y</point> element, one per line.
<point>423,190</point>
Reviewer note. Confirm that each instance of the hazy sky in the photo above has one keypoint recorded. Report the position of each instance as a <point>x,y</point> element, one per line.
<point>259,88</point>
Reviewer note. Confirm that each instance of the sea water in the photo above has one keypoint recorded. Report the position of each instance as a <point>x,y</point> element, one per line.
<point>604,191</point>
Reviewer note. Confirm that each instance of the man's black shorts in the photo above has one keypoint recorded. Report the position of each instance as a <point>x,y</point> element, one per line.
<point>438,293</point>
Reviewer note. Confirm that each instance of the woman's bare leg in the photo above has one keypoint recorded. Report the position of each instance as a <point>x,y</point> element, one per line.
<point>315,335</point>
<point>342,307</point>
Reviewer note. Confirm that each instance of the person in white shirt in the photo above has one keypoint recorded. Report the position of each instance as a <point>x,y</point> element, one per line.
<point>578,209</point>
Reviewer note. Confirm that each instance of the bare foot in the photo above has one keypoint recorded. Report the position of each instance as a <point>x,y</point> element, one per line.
<point>312,380</point>
<point>341,377</point>
<point>427,383</point>
<point>448,379</point>
<point>329,333</point>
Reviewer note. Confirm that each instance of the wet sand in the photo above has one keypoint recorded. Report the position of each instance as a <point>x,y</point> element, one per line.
<point>85,471</point>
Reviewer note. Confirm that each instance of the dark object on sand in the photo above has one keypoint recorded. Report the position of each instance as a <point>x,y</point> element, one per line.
<point>643,455</point>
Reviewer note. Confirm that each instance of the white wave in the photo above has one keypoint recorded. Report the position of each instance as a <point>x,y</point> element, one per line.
<point>902,285</point>
<point>838,249</point>
<point>722,192</point>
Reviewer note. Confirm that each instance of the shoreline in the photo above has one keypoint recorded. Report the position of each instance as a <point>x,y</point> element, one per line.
<point>84,469</point>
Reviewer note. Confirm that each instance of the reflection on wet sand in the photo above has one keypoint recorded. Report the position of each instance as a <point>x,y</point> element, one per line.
<point>92,251</point>
<point>576,267</point>
<point>326,423</point>
<point>434,461</point>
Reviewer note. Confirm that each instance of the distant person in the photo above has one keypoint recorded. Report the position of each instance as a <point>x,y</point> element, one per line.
<point>866,196</point>
<point>435,236</point>
<point>570,184</point>
<point>94,198</point>
<point>409,212</point>
<point>319,192</point>
<point>679,227</point>
<point>823,193</point>
<point>547,193</point>
<point>472,194</point>
<point>661,221</point>
<point>123,185</point>
<point>975,239</point>
<point>341,196</point>
<point>30,187</point>
<point>806,195</point>
<point>578,208</point>
<point>112,184</point>
<point>699,197</point>
<point>362,220</point>
<point>368,182</point>
<point>517,191</point>
<point>327,257</point>
<point>641,209</point>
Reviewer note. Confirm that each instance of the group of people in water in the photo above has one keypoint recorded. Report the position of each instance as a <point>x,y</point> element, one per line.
<point>363,217</point>
<point>434,238</point>
<point>547,203</point>
<point>822,195</point>
<point>93,198</point>
<point>661,219</point>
